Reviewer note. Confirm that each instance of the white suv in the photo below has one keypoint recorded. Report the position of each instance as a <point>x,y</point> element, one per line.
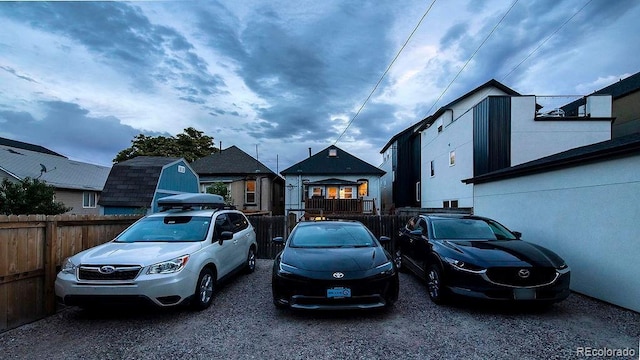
<point>172,257</point>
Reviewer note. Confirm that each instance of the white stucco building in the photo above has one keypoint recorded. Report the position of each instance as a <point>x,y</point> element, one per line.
<point>493,127</point>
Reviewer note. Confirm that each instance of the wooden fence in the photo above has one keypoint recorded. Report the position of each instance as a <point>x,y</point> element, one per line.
<point>33,247</point>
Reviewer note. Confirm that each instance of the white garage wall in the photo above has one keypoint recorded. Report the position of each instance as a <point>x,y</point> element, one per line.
<point>589,215</point>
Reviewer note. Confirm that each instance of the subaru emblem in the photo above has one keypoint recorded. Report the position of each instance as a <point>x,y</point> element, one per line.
<point>524,273</point>
<point>108,269</point>
<point>338,275</point>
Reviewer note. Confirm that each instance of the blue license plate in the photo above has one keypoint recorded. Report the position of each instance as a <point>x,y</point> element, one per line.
<point>338,292</point>
<point>524,294</point>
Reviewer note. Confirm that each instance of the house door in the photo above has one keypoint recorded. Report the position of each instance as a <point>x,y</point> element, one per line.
<point>332,192</point>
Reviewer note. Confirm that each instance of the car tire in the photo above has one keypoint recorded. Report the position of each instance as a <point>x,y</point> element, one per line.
<point>435,285</point>
<point>250,265</point>
<point>397,259</point>
<point>206,286</point>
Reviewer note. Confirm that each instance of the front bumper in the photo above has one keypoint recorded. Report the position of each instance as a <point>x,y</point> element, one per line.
<point>299,292</point>
<point>482,286</point>
<point>159,289</point>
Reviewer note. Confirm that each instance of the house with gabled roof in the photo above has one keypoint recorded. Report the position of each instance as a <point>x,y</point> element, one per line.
<point>334,182</point>
<point>252,186</point>
<point>77,185</point>
<point>134,186</point>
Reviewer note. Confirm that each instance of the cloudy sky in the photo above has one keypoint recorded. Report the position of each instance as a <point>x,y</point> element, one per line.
<point>278,77</point>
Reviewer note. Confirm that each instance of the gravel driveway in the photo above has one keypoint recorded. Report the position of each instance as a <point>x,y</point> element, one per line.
<point>243,324</point>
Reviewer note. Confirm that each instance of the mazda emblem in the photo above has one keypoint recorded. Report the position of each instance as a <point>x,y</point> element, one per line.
<point>108,269</point>
<point>524,273</point>
<point>338,275</point>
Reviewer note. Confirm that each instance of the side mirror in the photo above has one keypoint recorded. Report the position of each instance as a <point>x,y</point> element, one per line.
<point>278,240</point>
<point>225,235</point>
<point>384,239</point>
<point>518,234</point>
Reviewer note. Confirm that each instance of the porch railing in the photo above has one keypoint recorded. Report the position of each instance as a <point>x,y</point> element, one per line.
<point>341,206</point>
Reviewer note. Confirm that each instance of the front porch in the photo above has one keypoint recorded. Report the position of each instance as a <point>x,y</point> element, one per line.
<point>359,206</point>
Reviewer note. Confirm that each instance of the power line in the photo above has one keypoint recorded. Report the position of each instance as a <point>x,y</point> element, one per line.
<point>470,58</point>
<point>545,40</point>
<point>385,73</point>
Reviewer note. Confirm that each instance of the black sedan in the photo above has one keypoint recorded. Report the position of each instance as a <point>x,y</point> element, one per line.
<point>333,265</point>
<point>478,257</point>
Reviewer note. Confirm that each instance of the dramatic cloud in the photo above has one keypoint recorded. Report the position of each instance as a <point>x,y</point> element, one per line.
<point>277,77</point>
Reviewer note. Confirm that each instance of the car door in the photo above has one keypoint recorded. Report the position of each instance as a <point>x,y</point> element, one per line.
<point>225,253</point>
<point>410,236</point>
<point>241,237</point>
<point>421,245</point>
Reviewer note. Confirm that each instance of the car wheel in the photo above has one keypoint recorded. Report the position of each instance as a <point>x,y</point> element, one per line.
<point>203,295</point>
<point>435,285</point>
<point>251,261</point>
<point>397,258</point>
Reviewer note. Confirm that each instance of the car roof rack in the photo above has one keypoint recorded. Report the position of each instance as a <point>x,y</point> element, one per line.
<point>189,201</point>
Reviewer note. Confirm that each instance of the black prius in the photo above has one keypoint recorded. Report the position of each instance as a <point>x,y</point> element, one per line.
<point>478,257</point>
<point>333,265</point>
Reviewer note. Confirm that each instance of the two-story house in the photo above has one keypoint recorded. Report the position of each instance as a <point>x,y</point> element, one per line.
<point>490,128</point>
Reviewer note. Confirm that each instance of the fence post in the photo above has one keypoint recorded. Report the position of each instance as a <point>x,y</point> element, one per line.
<point>51,229</point>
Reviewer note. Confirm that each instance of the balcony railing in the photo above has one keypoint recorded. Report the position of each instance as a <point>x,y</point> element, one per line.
<point>340,206</point>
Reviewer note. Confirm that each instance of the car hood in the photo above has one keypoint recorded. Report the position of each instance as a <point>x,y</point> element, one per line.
<point>138,253</point>
<point>504,252</point>
<point>334,259</point>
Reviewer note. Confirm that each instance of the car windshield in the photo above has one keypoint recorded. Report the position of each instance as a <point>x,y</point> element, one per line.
<point>324,235</point>
<point>470,229</point>
<point>167,229</point>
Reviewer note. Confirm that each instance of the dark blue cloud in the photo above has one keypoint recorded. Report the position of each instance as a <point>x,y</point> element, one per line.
<point>123,37</point>
<point>66,127</point>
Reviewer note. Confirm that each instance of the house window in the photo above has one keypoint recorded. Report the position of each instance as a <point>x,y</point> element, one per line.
<point>88,199</point>
<point>445,204</point>
<point>440,125</point>
<point>332,193</point>
<point>433,171</point>
<point>454,204</point>
<point>318,192</point>
<point>418,191</point>
<point>347,193</point>
<point>363,188</point>
<point>333,152</point>
<point>452,158</point>
<point>250,192</point>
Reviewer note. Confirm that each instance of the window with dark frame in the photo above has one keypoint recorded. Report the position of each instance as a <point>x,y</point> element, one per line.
<point>250,192</point>
<point>433,172</point>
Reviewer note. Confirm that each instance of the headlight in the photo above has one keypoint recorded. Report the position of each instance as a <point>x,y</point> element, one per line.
<point>169,267</point>
<point>284,269</point>
<point>463,266</point>
<point>68,267</point>
<point>385,269</point>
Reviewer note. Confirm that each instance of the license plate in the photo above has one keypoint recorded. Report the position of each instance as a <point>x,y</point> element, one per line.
<point>524,294</point>
<point>338,292</point>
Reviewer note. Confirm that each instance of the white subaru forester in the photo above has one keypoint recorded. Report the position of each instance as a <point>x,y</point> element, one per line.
<point>173,257</point>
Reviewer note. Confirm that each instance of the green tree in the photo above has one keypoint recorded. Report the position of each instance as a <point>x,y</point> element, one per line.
<point>29,196</point>
<point>221,189</point>
<point>192,144</point>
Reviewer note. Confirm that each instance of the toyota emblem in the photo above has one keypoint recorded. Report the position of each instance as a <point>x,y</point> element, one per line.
<point>338,275</point>
<point>524,273</point>
<point>108,269</point>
